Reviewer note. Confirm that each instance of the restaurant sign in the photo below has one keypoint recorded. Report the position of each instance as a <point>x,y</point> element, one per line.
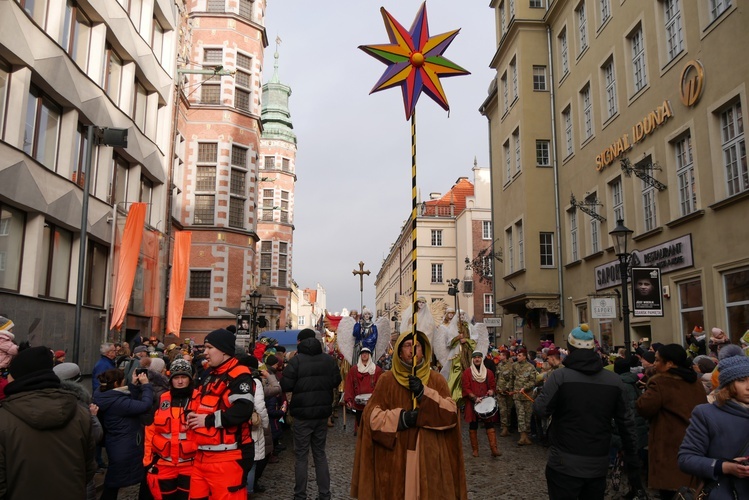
<point>669,256</point>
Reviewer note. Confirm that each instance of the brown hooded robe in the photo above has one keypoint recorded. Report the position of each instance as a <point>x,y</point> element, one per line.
<point>425,462</point>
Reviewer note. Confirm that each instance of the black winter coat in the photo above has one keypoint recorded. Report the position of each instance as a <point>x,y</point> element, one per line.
<point>120,414</point>
<point>311,377</point>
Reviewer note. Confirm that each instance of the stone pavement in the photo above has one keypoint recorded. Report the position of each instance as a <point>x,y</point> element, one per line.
<point>517,474</point>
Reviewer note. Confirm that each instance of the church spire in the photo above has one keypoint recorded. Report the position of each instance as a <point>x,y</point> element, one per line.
<point>275,116</point>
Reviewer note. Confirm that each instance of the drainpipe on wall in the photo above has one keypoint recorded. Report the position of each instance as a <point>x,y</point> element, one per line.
<point>557,208</point>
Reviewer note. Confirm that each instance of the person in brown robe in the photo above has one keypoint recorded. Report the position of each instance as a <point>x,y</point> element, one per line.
<point>409,445</point>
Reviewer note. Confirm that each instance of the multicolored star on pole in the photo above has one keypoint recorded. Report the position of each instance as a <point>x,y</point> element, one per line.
<point>414,60</point>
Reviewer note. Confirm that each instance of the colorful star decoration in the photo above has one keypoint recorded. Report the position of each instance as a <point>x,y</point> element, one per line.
<point>414,60</point>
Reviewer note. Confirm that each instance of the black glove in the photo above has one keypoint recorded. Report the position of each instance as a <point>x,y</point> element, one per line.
<point>407,419</point>
<point>414,383</point>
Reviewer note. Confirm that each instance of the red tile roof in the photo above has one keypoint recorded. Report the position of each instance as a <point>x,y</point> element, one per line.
<point>456,196</point>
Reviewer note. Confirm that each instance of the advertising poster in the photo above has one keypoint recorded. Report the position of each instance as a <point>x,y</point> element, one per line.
<point>646,291</point>
<point>243,324</point>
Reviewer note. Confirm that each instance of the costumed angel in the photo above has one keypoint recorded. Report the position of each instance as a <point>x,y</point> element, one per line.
<point>453,346</point>
<point>354,335</point>
<point>425,315</point>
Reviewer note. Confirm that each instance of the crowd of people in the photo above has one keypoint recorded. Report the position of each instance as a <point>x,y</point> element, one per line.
<point>204,421</point>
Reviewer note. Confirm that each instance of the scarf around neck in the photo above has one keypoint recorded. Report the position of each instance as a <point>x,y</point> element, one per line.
<point>369,369</point>
<point>480,374</point>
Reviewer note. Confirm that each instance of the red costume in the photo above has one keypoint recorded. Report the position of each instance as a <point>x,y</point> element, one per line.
<point>360,383</point>
<point>472,388</point>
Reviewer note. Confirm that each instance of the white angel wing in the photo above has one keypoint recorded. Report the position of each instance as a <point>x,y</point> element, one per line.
<point>440,346</point>
<point>383,337</point>
<point>406,320</point>
<point>482,344</point>
<point>345,334</point>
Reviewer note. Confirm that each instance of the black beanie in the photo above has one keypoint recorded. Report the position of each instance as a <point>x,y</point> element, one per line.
<point>31,360</point>
<point>223,340</point>
<point>307,333</point>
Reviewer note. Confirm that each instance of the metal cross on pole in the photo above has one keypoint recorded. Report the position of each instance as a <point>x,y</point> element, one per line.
<point>361,272</point>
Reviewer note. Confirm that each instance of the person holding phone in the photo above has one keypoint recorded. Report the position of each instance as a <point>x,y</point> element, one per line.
<point>120,407</point>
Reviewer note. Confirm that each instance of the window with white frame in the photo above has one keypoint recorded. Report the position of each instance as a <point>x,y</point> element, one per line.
<point>514,73</point>
<point>582,27</point>
<point>685,174</point>
<point>200,284</point>
<point>242,85</point>
<point>674,35</point>
<point>587,111</point>
<point>610,80</point>
<point>521,244</point>
<point>539,78</point>
<point>543,155</point>
<point>564,52</point>
<point>546,249</point>
<point>488,303</point>
<point>510,251</point>
<point>436,237</point>
<point>42,128</point>
<point>567,120</point>
<point>79,155</point>
<point>505,93</point>
<point>516,141</point>
<point>301,320</point>
<point>205,183</point>
<point>595,225</point>
<point>718,7</point>
<point>75,35</point>
<point>508,161</point>
<point>237,186</point>
<point>734,149</point>
<point>285,199</point>
<point>617,198</point>
<point>486,230</point>
<point>604,10</point>
<point>691,310</point>
<point>140,105</point>
<point>737,302</point>
<point>210,91</point>
<point>37,9</point>
<point>648,197</point>
<point>639,67</point>
<point>436,273</point>
<point>269,162</point>
<point>215,5</point>
<point>283,259</point>
<point>121,175</point>
<point>245,12</point>
<point>574,247</point>
<point>268,200</point>
<point>266,262</point>
<point>285,165</point>
<point>157,39</point>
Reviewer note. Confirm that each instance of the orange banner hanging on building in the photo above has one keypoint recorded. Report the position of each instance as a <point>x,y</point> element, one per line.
<point>178,285</point>
<point>128,264</point>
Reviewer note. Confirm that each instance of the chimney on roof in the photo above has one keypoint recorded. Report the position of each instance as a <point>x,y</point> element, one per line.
<point>435,196</point>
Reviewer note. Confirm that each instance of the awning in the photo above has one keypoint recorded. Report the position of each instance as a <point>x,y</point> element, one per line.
<point>520,303</point>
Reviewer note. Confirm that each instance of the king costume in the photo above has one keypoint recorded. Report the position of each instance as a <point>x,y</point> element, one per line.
<point>424,460</point>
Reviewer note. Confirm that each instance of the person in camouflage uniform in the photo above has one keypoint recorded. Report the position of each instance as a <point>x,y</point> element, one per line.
<point>524,380</point>
<point>504,391</point>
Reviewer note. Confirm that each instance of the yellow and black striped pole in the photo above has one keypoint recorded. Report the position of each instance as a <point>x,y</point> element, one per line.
<point>414,208</point>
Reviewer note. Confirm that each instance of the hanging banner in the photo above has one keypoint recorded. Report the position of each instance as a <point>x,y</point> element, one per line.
<point>128,264</point>
<point>178,284</point>
<point>646,291</point>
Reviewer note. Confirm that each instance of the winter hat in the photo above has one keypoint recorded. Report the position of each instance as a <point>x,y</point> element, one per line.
<point>581,337</point>
<point>273,361</point>
<point>307,333</point>
<point>59,353</point>
<point>649,356</point>
<point>157,365</point>
<point>730,351</point>
<point>553,352</point>
<point>733,368</point>
<point>477,354</point>
<point>30,361</point>
<point>621,365</point>
<point>698,330</point>
<point>221,339</point>
<point>180,367</point>
<point>5,323</point>
<point>674,353</point>
<point>366,349</point>
<point>139,349</point>
<point>67,371</point>
<point>717,332</point>
<point>704,363</point>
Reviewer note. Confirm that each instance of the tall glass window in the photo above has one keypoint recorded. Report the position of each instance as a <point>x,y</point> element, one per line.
<point>734,149</point>
<point>54,264</point>
<point>737,302</point>
<point>685,174</point>
<point>12,231</point>
<point>690,306</point>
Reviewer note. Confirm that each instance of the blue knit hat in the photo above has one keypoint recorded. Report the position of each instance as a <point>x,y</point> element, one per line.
<point>733,368</point>
<point>581,337</point>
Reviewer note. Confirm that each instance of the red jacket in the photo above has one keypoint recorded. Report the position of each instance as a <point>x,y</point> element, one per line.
<point>227,396</point>
<point>359,383</point>
<point>473,388</point>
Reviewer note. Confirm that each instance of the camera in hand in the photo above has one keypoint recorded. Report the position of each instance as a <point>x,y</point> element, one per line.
<point>139,371</point>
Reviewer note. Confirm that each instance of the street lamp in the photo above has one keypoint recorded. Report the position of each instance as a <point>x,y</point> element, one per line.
<point>468,279</point>
<point>620,236</point>
<point>253,301</point>
<point>453,292</point>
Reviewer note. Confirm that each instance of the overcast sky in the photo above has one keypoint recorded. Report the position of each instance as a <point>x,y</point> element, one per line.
<point>353,164</point>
